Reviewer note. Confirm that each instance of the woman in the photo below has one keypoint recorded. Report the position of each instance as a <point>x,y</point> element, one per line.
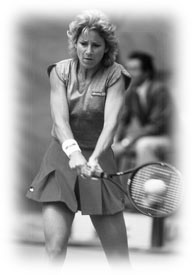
<point>87,93</point>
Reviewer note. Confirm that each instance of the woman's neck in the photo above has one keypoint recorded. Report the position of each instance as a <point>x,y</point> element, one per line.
<point>86,74</point>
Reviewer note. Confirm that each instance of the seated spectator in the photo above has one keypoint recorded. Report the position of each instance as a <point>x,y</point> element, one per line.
<point>144,134</point>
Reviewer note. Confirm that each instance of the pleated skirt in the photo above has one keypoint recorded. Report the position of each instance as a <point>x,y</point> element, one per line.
<point>56,182</point>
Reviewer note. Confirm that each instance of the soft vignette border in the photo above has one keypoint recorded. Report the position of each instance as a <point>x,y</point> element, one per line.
<point>181,14</point>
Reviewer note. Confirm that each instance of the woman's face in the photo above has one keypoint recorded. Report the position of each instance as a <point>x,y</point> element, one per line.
<point>90,49</point>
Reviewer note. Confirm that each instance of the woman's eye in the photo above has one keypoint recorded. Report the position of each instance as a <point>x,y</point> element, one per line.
<point>83,43</point>
<point>96,45</point>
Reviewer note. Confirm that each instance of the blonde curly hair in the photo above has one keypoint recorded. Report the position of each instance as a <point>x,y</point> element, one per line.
<point>97,21</point>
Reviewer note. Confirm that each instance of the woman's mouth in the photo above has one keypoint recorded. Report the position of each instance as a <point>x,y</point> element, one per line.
<point>88,59</point>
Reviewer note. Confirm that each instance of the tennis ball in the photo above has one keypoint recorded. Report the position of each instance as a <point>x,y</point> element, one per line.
<point>155,187</point>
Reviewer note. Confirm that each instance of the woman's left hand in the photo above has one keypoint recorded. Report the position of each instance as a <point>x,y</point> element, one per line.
<point>94,166</point>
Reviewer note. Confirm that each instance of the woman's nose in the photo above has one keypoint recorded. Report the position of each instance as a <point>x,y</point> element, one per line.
<point>89,49</point>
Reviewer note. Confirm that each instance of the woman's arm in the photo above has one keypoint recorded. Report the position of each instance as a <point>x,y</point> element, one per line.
<point>60,116</point>
<point>59,108</point>
<point>113,105</point>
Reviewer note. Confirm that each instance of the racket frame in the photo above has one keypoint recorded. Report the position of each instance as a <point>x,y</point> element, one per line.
<point>133,172</point>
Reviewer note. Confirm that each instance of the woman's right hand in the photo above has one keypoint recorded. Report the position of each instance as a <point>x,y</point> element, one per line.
<point>77,161</point>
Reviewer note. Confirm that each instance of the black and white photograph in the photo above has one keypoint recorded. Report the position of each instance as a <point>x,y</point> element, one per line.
<point>96,137</point>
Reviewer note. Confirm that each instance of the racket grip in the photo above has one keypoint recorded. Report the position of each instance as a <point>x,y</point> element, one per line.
<point>99,174</point>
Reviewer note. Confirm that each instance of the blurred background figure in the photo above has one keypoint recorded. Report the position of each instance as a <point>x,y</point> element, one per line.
<point>144,134</point>
<point>145,131</point>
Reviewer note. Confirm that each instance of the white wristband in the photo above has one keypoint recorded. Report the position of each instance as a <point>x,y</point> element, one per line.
<point>69,146</point>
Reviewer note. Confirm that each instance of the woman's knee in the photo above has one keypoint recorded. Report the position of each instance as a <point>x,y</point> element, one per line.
<point>112,232</point>
<point>56,247</point>
<point>57,220</point>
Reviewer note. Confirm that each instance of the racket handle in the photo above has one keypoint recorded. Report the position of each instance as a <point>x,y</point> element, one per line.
<point>99,174</point>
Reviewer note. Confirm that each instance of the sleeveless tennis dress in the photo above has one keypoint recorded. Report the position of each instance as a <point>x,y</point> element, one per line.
<point>55,181</point>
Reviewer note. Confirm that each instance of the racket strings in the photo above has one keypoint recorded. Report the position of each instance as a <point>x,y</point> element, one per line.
<point>156,205</point>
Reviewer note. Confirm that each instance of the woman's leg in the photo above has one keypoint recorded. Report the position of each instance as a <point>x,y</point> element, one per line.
<point>113,236</point>
<point>57,221</point>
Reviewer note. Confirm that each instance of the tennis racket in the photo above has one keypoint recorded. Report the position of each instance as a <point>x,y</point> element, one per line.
<point>154,189</point>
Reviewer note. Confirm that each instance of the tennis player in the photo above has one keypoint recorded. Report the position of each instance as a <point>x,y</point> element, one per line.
<point>87,92</point>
